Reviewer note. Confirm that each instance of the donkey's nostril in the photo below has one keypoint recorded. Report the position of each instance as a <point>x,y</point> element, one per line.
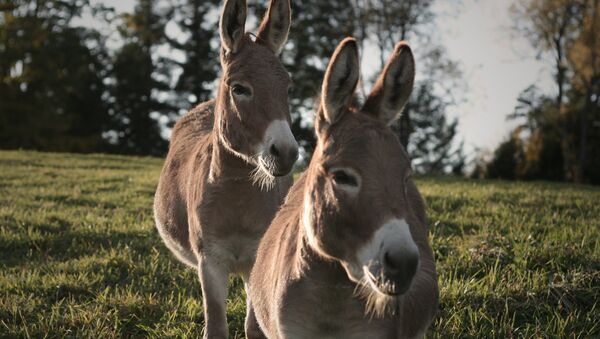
<point>399,268</point>
<point>274,151</point>
<point>282,158</point>
<point>390,262</point>
<point>404,264</point>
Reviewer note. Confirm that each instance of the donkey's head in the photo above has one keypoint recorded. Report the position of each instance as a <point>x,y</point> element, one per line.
<point>253,118</point>
<point>357,194</point>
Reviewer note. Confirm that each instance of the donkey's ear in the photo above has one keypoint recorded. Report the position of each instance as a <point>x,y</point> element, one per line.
<point>393,87</point>
<point>340,80</point>
<point>232,24</point>
<point>275,26</point>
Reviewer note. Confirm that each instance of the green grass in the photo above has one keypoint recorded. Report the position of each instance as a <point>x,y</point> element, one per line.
<point>79,255</point>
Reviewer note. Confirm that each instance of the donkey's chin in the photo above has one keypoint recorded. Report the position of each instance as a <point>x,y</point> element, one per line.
<point>381,284</point>
<point>262,176</point>
<point>378,302</point>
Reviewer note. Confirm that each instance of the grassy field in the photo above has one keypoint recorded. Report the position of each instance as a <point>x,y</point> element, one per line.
<point>79,255</point>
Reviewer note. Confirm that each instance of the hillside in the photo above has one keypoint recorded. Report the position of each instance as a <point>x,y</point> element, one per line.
<point>79,255</point>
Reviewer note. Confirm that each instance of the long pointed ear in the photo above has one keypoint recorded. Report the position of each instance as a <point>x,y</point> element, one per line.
<point>340,81</point>
<point>231,26</point>
<point>393,87</point>
<point>275,26</point>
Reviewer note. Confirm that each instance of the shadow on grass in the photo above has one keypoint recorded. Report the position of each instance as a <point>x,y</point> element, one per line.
<point>523,308</point>
<point>71,202</point>
<point>62,244</point>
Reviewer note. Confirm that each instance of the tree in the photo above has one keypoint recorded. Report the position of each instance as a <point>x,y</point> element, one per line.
<point>383,23</point>
<point>567,31</point>
<point>52,90</point>
<point>430,145</point>
<point>540,153</point>
<point>506,159</point>
<point>200,66</point>
<point>138,75</point>
<point>423,127</point>
<point>585,58</point>
<point>311,43</point>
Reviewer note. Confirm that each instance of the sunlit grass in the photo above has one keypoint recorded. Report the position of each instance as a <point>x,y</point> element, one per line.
<point>79,255</point>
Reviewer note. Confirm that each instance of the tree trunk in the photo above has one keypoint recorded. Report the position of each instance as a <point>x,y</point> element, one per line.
<point>589,102</point>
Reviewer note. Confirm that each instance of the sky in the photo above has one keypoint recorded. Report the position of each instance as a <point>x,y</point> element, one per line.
<point>496,63</point>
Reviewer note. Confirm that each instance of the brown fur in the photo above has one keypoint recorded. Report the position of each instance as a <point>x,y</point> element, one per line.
<point>208,209</point>
<point>300,284</point>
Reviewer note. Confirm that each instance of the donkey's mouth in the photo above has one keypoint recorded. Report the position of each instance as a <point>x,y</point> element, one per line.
<point>267,166</point>
<point>384,285</point>
<point>272,167</point>
<point>262,176</point>
<point>392,289</point>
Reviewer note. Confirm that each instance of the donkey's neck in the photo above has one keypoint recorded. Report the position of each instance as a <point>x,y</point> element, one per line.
<point>318,269</point>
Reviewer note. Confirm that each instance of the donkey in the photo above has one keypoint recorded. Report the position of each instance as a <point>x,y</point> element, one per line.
<point>347,256</point>
<point>227,170</point>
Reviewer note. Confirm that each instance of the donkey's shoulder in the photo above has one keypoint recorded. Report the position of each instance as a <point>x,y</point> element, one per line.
<point>199,120</point>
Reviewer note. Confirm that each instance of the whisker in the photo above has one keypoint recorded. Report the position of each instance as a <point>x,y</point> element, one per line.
<point>377,305</point>
<point>261,177</point>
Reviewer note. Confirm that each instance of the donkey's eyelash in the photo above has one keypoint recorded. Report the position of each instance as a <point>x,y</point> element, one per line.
<point>238,89</point>
<point>345,177</point>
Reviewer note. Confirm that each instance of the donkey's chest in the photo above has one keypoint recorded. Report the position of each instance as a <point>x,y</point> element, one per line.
<point>314,312</point>
<point>231,222</point>
<point>235,207</point>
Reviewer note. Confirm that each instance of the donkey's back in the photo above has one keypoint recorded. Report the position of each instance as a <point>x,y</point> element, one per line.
<point>190,142</point>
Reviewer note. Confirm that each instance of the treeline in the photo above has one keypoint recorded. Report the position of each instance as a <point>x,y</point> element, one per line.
<point>79,77</point>
<point>558,136</point>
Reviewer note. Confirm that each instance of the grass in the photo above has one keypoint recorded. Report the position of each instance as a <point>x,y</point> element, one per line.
<point>79,255</point>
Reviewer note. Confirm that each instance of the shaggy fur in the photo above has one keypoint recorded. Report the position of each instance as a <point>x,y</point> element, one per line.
<point>306,282</point>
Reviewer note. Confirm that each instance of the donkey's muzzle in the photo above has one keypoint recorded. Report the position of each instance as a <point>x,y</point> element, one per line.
<point>399,269</point>
<point>283,158</point>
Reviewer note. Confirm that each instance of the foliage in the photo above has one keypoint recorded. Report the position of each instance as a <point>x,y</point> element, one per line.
<point>81,256</point>
<point>431,136</point>
<point>121,97</point>
<point>562,133</point>
<point>201,60</point>
<point>423,129</point>
<point>135,102</point>
<point>51,78</point>
<point>312,39</point>
<point>137,131</point>
<point>506,160</point>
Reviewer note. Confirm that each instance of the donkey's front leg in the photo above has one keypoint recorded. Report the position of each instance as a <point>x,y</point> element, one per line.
<point>251,327</point>
<point>213,278</point>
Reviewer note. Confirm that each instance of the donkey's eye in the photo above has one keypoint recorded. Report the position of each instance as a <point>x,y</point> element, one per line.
<point>342,177</point>
<point>238,89</point>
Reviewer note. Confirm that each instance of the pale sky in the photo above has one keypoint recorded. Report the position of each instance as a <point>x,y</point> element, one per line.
<point>497,65</point>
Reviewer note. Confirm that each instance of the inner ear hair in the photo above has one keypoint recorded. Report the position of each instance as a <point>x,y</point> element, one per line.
<point>232,24</point>
<point>393,87</point>
<point>340,80</point>
<point>275,26</point>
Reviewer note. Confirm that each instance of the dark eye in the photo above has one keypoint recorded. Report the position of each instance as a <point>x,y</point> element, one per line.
<point>342,177</point>
<point>238,89</point>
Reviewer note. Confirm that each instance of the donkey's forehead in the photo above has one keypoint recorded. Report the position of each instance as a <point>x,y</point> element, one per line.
<point>256,61</point>
<point>358,138</point>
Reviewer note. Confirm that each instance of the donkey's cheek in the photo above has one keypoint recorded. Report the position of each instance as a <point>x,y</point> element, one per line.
<point>233,136</point>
